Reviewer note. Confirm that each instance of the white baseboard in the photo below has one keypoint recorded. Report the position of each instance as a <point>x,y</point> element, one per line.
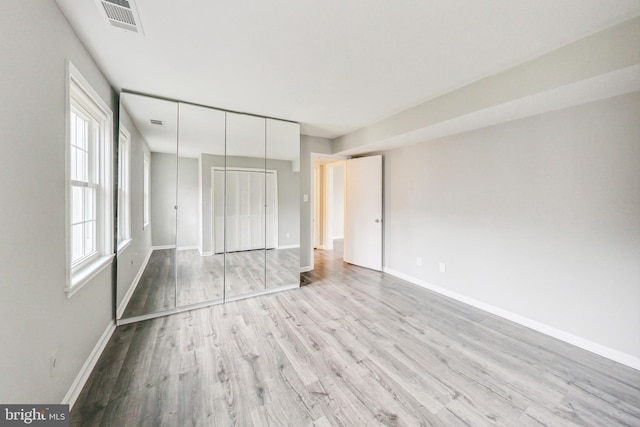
<point>593,347</point>
<point>306,268</point>
<point>159,248</point>
<point>338,237</point>
<point>187,248</point>
<point>289,246</point>
<point>89,364</point>
<point>133,286</point>
<point>206,253</point>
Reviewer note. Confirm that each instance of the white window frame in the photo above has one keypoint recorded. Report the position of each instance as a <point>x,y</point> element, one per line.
<point>80,95</point>
<point>124,189</point>
<point>146,191</point>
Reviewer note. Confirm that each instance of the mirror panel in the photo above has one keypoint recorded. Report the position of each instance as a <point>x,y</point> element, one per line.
<point>146,276</point>
<point>201,150</point>
<point>245,238</point>
<point>283,203</point>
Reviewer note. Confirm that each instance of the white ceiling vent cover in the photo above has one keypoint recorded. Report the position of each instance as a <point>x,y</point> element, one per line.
<point>122,14</point>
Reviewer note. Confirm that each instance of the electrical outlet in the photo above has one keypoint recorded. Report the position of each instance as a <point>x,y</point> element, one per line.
<point>288,235</point>
<point>442,267</point>
<point>419,261</point>
<point>53,363</point>
<point>305,197</point>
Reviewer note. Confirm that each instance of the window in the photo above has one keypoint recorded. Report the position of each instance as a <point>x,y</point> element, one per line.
<point>146,207</point>
<point>89,216</point>
<point>124,186</point>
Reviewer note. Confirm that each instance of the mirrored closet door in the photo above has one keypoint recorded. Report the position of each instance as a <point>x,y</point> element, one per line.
<point>201,135</point>
<point>213,199</point>
<point>151,126</point>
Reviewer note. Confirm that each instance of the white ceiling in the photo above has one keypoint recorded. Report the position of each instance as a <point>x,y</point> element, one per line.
<point>334,66</point>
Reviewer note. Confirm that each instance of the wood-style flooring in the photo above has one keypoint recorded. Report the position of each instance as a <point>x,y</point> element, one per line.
<point>203,278</point>
<point>353,348</point>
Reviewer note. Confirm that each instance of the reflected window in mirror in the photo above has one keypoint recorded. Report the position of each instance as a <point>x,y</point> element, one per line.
<point>124,188</point>
<point>146,192</point>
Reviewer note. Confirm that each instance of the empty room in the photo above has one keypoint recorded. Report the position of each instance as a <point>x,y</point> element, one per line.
<point>338,213</point>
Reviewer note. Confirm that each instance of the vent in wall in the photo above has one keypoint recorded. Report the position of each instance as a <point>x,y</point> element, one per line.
<point>156,122</point>
<point>122,14</point>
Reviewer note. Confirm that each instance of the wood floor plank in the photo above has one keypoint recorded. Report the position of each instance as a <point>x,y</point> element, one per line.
<point>353,347</point>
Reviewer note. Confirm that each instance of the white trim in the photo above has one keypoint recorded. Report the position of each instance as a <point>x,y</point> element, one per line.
<point>77,87</point>
<point>306,268</point>
<point>156,248</point>
<point>87,368</point>
<point>133,286</point>
<point>585,344</point>
<point>312,191</point>
<point>83,276</point>
<point>289,246</point>
<point>124,244</point>
<point>206,253</point>
<point>338,237</point>
<point>188,248</point>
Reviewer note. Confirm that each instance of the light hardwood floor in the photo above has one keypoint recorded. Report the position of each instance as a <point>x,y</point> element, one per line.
<point>354,348</point>
<point>203,278</point>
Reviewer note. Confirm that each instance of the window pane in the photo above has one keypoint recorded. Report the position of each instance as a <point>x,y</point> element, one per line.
<point>77,204</point>
<point>81,139</point>
<point>89,237</point>
<point>73,162</point>
<point>72,129</point>
<point>90,204</point>
<point>77,242</point>
<point>82,165</point>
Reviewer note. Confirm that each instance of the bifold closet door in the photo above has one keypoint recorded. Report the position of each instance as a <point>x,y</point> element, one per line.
<point>245,210</point>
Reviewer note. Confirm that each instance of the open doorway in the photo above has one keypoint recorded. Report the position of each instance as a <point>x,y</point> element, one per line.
<point>328,206</point>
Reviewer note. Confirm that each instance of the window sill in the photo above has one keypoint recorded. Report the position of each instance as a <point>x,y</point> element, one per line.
<point>84,275</point>
<point>123,244</point>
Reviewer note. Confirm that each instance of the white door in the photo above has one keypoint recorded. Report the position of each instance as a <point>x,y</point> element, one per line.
<point>251,210</point>
<point>363,212</point>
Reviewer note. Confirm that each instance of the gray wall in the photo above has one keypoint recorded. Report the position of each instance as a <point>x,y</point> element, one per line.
<point>163,199</point>
<point>189,202</point>
<point>131,258</point>
<point>38,318</point>
<point>288,191</point>
<point>308,145</point>
<point>539,216</point>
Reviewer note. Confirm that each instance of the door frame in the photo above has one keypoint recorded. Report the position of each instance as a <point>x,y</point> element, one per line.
<point>313,157</point>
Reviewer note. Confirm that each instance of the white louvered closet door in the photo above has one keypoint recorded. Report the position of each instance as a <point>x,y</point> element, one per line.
<point>246,213</point>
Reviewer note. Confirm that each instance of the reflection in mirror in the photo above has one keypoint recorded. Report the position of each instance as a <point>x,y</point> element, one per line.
<point>146,257</point>
<point>283,203</point>
<point>245,186</point>
<point>201,143</point>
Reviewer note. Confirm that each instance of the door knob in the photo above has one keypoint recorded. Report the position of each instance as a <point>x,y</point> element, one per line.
<point>378,220</point>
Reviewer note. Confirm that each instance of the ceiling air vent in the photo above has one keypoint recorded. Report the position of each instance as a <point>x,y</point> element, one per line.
<point>156,122</point>
<point>122,14</point>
